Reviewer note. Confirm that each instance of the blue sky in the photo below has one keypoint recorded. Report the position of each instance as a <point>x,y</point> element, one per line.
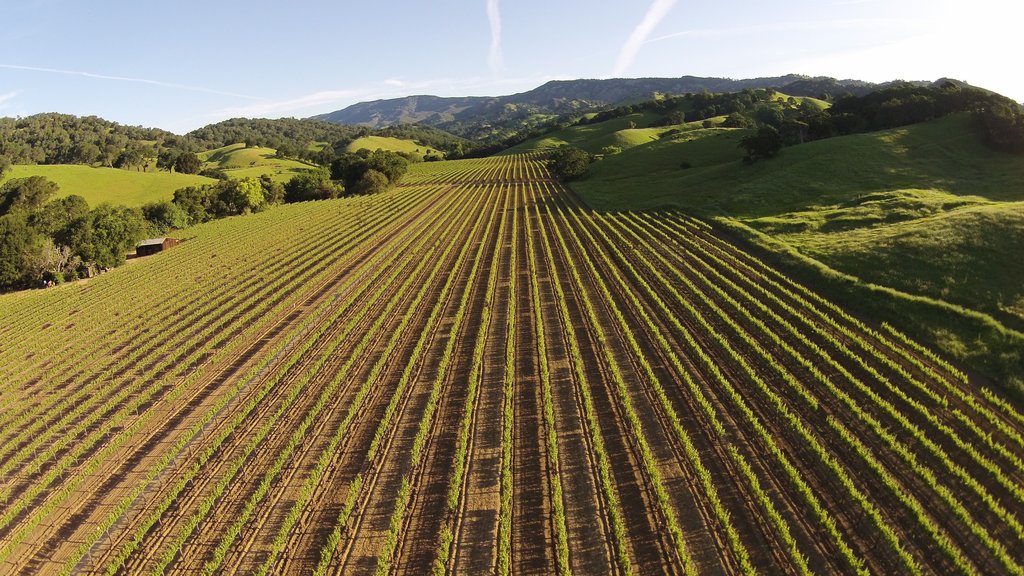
<point>183,64</point>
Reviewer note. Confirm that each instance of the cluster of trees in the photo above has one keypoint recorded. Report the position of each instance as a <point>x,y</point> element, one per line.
<point>66,139</point>
<point>352,173</point>
<point>197,204</point>
<point>55,240</point>
<point>288,132</point>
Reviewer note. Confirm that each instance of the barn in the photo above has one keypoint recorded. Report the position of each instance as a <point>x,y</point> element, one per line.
<point>154,245</point>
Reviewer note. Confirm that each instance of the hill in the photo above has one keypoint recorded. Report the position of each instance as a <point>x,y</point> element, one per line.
<point>113,185</point>
<point>240,161</point>
<point>492,116</point>
<point>916,225</point>
<point>372,143</point>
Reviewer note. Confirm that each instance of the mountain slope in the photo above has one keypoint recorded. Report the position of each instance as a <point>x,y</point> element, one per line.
<point>568,96</point>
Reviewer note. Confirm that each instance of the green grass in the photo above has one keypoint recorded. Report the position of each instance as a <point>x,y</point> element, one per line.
<point>98,185</point>
<point>240,162</point>
<point>921,226</point>
<point>594,137</point>
<point>372,143</point>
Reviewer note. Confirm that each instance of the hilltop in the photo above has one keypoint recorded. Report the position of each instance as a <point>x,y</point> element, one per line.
<point>489,116</point>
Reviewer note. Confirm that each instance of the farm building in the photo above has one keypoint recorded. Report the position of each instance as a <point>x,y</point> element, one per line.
<point>154,245</point>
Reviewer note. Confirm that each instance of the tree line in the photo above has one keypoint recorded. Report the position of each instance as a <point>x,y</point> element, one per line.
<point>45,239</point>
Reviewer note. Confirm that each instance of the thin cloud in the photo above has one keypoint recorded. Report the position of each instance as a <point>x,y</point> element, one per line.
<point>284,106</point>
<point>655,14</point>
<point>494,58</point>
<point>127,79</point>
<point>5,98</point>
<point>815,25</point>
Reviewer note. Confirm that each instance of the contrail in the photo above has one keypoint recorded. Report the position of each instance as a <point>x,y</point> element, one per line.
<point>127,79</point>
<point>658,10</point>
<point>494,58</point>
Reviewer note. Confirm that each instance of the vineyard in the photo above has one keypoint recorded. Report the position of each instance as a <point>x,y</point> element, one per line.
<point>474,373</point>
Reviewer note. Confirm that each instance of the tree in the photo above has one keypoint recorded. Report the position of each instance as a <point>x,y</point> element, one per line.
<point>26,194</point>
<point>15,238</point>
<point>569,163</point>
<point>45,260</point>
<point>55,215</point>
<point>765,143</point>
<point>187,163</point>
<point>86,153</point>
<point>273,192</point>
<point>5,166</point>
<point>371,182</point>
<point>313,185</point>
<point>350,168</point>
<point>164,216</point>
<point>735,120</point>
<point>130,157</point>
<point>103,237</point>
<point>195,202</point>
<point>793,132</point>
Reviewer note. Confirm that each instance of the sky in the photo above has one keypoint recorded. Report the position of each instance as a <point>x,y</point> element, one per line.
<point>183,64</point>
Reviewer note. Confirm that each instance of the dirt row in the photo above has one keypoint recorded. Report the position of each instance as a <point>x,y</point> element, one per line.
<point>694,418</point>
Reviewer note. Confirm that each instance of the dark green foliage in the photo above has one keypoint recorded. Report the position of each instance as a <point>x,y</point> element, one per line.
<point>165,216</point>
<point>350,169</point>
<point>5,166</point>
<point>66,139</point>
<point>195,202</point>
<point>26,194</point>
<point>54,217</point>
<point>765,143</point>
<point>273,192</point>
<point>314,185</point>
<point>735,120</point>
<point>187,163</point>
<point>1004,125</point>
<point>371,182</point>
<point>15,237</point>
<point>106,234</point>
<point>295,134</point>
<point>569,163</point>
<point>215,173</point>
<point>227,198</point>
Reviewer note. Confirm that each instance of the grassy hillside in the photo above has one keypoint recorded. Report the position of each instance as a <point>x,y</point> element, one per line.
<point>240,162</point>
<point>98,185</point>
<point>391,144</point>
<point>922,225</point>
<point>594,137</point>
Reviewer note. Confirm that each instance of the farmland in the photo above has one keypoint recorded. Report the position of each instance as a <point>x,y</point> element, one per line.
<point>475,373</point>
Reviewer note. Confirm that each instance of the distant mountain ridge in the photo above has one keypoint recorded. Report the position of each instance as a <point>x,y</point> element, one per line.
<point>559,97</point>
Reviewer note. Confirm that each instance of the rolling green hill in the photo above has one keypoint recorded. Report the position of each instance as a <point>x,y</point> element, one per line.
<point>372,143</point>
<point>240,162</point>
<point>921,226</point>
<point>98,185</point>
